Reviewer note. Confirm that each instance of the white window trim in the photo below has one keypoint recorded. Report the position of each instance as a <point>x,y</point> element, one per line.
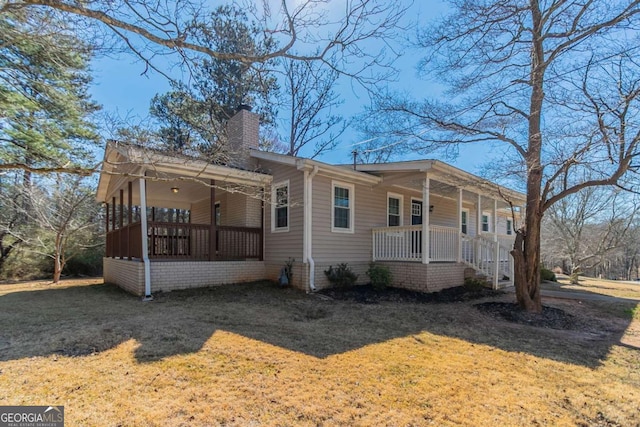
<point>274,203</point>
<point>415,199</point>
<point>468,212</point>
<point>400,197</point>
<point>352,204</point>
<point>509,226</point>
<point>488,215</point>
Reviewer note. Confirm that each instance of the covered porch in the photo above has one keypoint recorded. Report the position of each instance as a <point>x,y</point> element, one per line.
<point>454,217</point>
<point>172,234</point>
<point>179,222</point>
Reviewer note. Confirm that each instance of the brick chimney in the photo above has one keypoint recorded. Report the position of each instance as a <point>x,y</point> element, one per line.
<point>242,133</point>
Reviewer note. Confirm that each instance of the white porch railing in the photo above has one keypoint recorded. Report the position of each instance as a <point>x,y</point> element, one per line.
<point>491,258</point>
<point>481,253</point>
<point>405,243</point>
<point>506,240</point>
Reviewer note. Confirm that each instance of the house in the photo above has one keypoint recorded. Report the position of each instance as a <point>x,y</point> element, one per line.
<point>177,222</point>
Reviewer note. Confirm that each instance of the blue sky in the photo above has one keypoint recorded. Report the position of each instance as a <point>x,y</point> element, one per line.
<point>123,90</point>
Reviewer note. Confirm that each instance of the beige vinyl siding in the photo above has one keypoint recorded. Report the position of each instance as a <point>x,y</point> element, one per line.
<point>502,222</point>
<point>236,210</point>
<point>201,212</point>
<point>282,245</point>
<point>240,210</point>
<point>445,211</point>
<point>370,211</point>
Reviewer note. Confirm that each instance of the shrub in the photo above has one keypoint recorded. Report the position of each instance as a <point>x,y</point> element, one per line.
<point>341,276</point>
<point>88,263</point>
<point>474,284</point>
<point>547,275</point>
<point>380,276</point>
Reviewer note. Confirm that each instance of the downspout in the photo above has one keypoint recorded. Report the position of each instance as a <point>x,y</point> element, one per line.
<point>145,244</point>
<point>308,220</point>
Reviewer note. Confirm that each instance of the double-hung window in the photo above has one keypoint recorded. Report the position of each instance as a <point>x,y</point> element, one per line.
<point>486,219</point>
<point>342,209</point>
<point>394,210</point>
<point>509,226</point>
<point>464,220</point>
<point>280,207</point>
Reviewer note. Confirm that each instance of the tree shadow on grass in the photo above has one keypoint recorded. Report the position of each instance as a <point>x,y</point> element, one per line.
<point>82,320</point>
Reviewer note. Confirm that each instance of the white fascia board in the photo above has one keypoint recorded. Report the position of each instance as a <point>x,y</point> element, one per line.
<point>408,166</point>
<point>274,157</point>
<point>344,174</point>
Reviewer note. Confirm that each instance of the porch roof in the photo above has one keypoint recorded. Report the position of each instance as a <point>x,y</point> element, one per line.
<point>302,163</point>
<point>410,174</point>
<point>124,162</point>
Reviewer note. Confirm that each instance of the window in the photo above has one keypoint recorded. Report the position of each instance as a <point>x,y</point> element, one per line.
<point>509,226</point>
<point>342,207</point>
<point>217,213</point>
<point>280,207</point>
<point>416,208</point>
<point>485,222</point>
<point>464,220</point>
<point>394,210</point>
<point>416,212</point>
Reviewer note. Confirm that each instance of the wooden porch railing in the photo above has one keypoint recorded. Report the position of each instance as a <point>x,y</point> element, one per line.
<point>183,241</point>
<point>124,242</point>
<point>405,243</point>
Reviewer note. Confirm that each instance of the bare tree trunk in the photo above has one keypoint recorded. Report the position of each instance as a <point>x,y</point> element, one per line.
<point>57,259</point>
<point>526,252</point>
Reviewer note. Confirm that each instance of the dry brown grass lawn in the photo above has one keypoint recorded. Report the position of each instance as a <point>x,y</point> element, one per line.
<point>612,288</point>
<point>257,355</point>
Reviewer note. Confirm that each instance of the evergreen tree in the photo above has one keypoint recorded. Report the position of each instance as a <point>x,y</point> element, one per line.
<point>192,117</point>
<point>45,110</point>
<point>45,114</point>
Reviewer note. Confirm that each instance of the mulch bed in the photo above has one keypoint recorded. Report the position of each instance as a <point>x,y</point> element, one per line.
<point>551,317</point>
<point>366,294</point>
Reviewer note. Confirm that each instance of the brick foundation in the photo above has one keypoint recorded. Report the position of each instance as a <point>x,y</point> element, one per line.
<point>171,275</point>
<point>426,277</point>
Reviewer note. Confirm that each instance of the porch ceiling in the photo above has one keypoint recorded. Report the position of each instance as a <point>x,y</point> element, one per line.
<point>445,180</point>
<point>190,191</point>
<point>440,186</point>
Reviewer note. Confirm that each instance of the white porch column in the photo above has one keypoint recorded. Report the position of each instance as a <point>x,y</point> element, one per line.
<point>425,219</point>
<point>460,224</point>
<point>145,244</point>
<point>496,255</point>
<point>476,250</point>
<point>479,216</point>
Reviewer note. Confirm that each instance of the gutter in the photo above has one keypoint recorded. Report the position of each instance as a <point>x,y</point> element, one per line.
<point>145,244</point>
<point>308,225</point>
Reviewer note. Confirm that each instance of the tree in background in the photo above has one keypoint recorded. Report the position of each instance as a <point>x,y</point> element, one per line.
<point>192,117</point>
<point>45,116</point>
<point>556,83</point>
<point>69,220</point>
<point>45,119</point>
<point>63,219</point>
<point>587,229</point>
<point>311,103</point>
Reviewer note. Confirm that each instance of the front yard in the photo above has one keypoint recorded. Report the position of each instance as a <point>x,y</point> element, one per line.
<point>255,354</point>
